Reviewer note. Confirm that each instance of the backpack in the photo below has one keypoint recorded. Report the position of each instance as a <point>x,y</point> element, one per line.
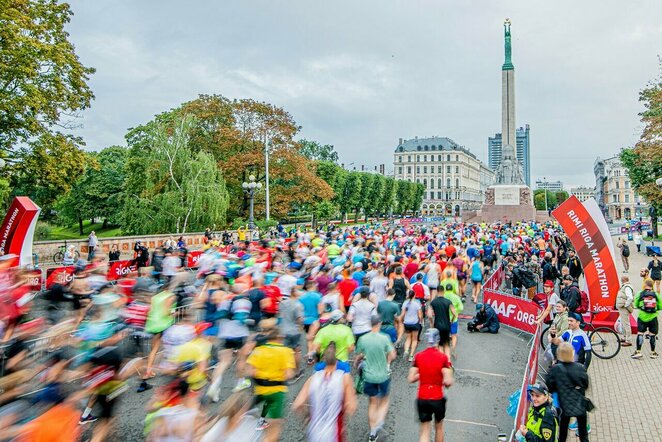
<point>584,303</point>
<point>648,300</point>
<point>626,250</point>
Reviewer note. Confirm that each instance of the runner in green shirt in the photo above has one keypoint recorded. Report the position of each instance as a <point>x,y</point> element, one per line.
<point>450,294</point>
<point>334,332</point>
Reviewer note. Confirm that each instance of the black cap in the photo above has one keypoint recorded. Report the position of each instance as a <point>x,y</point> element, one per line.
<point>538,387</point>
<point>568,278</point>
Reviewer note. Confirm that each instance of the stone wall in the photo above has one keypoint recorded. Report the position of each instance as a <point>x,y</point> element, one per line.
<point>46,249</point>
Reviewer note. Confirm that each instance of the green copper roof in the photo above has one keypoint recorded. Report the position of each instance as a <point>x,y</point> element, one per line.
<point>508,64</point>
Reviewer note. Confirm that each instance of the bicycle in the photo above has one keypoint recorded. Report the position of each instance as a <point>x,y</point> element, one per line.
<point>59,255</point>
<point>605,342</point>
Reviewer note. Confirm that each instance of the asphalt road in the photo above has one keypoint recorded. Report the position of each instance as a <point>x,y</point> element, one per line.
<point>488,369</point>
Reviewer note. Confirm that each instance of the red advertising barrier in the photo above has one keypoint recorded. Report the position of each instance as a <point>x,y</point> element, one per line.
<point>588,231</point>
<point>513,311</point>
<point>59,275</point>
<point>35,279</point>
<point>530,375</point>
<point>192,259</point>
<point>120,269</point>
<point>495,279</point>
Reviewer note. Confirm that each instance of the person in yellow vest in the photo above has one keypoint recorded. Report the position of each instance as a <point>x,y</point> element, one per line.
<point>542,422</point>
<point>241,233</point>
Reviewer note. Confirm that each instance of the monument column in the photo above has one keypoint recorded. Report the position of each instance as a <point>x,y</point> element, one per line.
<point>508,94</point>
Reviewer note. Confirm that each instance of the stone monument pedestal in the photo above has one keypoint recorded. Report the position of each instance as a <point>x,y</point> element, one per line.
<point>508,203</point>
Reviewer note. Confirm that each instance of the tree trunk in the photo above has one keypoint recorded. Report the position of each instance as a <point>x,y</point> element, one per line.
<point>105,223</point>
<point>80,226</point>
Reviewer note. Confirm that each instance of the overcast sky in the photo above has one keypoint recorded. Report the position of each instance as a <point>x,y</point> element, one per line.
<point>361,74</point>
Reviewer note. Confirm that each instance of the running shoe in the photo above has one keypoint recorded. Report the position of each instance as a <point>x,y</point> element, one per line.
<point>372,438</point>
<point>573,425</point>
<point>86,420</point>
<point>262,424</point>
<point>654,355</point>
<point>296,377</point>
<point>411,359</point>
<point>637,355</point>
<point>144,386</point>
<point>242,384</point>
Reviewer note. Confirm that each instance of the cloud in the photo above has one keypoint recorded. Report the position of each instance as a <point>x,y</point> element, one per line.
<point>361,75</point>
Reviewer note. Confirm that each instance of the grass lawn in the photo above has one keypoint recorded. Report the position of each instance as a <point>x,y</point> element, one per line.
<point>71,232</point>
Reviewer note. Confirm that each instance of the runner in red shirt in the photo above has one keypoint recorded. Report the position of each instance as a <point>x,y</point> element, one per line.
<point>433,371</point>
<point>346,287</point>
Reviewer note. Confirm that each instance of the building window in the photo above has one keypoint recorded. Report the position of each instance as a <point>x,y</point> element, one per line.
<point>438,195</point>
<point>439,169</point>
<point>418,158</point>
<point>433,147</point>
<point>425,169</point>
<point>627,197</point>
<point>457,169</point>
<point>627,184</point>
<point>418,148</point>
<point>408,169</point>
<point>400,159</point>
<point>439,183</point>
<point>457,182</point>
<point>409,158</point>
<point>457,158</point>
<point>418,169</point>
<point>618,185</point>
<point>425,158</point>
<point>448,182</point>
<point>425,182</point>
<point>448,169</point>
<point>431,183</point>
<point>418,180</point>
<point>448,157</point>
<point>427,148</point>
<point>400,170</point>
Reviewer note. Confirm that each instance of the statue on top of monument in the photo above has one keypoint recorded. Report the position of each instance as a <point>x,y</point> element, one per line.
<point>510,170</point>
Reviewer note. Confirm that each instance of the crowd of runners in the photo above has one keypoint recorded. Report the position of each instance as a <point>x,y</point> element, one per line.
<point>332,308</point>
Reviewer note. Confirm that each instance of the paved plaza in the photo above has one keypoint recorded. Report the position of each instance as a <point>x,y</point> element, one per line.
<point>625,391</point>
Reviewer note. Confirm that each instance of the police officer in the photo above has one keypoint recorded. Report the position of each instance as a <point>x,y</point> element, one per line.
<point>542,422</point>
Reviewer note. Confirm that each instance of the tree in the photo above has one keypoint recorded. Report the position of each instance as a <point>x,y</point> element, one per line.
<point>539,199</point>
<point>363,201</point>
<point>351,193</point>
<point>169,186</point>
<point>318,152</point>
<point>42,81</point>
<point>100,191</point>
<point>644,160</point>
<point>388,195</point>
<point>47,168</point>
<point>375,195</point>
<point>561,196</point>
<point>404,196</point>
<point>418,191</point>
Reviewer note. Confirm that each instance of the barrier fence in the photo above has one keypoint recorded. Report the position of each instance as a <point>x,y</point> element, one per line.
<point>520,314</point>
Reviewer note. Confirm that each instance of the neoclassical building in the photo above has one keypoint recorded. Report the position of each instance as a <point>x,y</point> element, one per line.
<point>455,180</point>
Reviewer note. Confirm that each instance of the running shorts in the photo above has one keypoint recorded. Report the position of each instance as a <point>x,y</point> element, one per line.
<point>650,326</point>
<point>272,404</point>
<point>429,408</point>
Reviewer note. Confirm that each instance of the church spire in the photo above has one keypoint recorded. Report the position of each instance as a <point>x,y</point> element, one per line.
<point>508,64</point>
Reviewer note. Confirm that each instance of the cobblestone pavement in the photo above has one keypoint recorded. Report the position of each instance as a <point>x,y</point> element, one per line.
<point>626,392</point>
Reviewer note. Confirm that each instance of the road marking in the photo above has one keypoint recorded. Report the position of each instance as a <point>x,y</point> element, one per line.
<point>481,372</point>
<point>480,424</point>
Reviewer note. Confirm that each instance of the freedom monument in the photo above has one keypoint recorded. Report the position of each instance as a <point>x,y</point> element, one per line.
<point>509,199</point>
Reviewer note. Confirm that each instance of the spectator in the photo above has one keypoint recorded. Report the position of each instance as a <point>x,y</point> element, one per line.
<point>624,304</point>
<point>574,265</point>
<point>625,254</point>
<point>570,380</point>
<point>114,254</point>
<point>542,421</point>
<point>655,267</point>
<point>92,244</point>
<point>637,241</point>
<point>485,320</point>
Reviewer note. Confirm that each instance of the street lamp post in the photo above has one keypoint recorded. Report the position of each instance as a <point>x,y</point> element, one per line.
<point>266,179</point>
<point>250,188</point>
<point>545,181</point>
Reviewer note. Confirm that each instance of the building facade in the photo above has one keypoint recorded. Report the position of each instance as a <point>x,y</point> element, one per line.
<point>614,193</point>
<point>494,148</point>
<point>552,186</point>
<point>454,179</point>
<point>582,192</point>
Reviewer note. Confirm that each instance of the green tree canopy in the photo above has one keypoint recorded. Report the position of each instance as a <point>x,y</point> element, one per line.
<point>170,187</point>
<point>644,160</point>
<point>539,198</point>
<point>47,169</point>
<point>318,152</point>
<point>42,81</point>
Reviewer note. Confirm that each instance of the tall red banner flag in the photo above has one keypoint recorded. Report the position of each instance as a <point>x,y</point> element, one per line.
<point>587,229</point>
<point>17,229</point>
